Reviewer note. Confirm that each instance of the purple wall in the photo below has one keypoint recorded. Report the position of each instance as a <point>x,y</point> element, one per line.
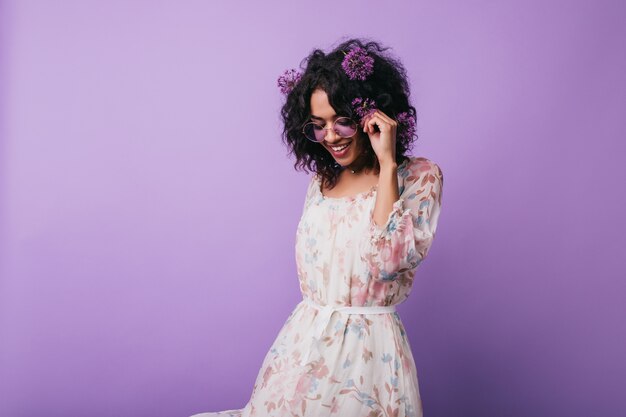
<point>149,209</point>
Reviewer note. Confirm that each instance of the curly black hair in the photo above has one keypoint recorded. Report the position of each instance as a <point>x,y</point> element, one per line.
<point>388,86</point>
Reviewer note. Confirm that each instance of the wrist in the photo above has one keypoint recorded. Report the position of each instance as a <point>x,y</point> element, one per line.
<point>388,165</point>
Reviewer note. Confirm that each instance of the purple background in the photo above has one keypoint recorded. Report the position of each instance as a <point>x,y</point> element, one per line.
<point>148,208</point>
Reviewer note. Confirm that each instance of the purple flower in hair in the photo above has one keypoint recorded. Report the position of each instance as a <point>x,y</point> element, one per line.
<point>363,107</point>
<point>358,64</point>
<point>406,126</point>
<point>288,80</point>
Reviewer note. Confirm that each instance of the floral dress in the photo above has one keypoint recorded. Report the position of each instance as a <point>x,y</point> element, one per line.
<point>325,362</point>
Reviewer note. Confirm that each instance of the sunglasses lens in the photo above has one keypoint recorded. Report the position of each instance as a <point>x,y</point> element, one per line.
<point>314,132</point>
<point>345,127</point>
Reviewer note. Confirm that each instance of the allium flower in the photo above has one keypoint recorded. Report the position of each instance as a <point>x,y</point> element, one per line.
<point>363,107</point>
<point>358,64</point>
<point>406,125</point>
<point>288,80</point>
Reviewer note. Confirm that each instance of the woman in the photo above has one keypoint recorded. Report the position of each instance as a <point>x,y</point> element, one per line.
<point>369,219</point>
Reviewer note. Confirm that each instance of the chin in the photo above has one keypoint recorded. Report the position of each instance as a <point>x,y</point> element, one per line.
<point>345,162</point>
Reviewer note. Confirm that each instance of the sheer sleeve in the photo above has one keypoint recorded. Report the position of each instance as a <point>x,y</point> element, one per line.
<point>311,191</point>
<point>404,240</point>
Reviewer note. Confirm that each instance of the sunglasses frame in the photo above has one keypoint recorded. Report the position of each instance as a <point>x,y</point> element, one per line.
<point>356,124</point>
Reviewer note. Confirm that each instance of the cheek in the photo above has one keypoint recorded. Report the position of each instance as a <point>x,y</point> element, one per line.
<point>358,142</point>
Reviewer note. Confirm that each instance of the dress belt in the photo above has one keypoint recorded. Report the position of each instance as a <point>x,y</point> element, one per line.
<point>327,311</point>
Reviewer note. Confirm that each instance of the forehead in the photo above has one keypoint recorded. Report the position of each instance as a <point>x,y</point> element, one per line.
<point>320,105</point>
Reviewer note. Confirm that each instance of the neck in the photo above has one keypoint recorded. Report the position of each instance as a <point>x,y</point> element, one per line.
<point>359,164</point>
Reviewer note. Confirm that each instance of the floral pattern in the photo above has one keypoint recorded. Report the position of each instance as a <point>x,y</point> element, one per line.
<point>362,365</point>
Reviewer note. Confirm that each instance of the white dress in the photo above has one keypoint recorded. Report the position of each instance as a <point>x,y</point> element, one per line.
<point>351,363</point>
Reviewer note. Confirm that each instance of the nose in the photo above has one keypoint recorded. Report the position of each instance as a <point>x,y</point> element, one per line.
<point>332,135</point>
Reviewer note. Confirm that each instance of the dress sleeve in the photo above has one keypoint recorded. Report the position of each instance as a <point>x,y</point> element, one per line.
<point>405,239</point>
<point>310,191</point>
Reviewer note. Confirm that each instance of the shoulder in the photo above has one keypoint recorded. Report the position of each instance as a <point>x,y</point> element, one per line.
<point>420,167</point>
<point>312,186</point>
<point>315,180</point>
<point>423,178</point>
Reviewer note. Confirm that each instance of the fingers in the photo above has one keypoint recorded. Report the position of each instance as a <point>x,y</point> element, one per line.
<point>384,117</point>
<point>380,119</point>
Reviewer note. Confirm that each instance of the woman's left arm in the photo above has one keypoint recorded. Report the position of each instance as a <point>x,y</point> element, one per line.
<point>403,222</point>
<point>387,192</point>
<point>403,239</point>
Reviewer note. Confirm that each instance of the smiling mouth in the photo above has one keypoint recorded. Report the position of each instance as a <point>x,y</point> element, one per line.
<point>340,150</point>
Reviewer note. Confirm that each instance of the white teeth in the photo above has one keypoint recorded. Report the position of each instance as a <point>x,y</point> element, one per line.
<point>340,148</point>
